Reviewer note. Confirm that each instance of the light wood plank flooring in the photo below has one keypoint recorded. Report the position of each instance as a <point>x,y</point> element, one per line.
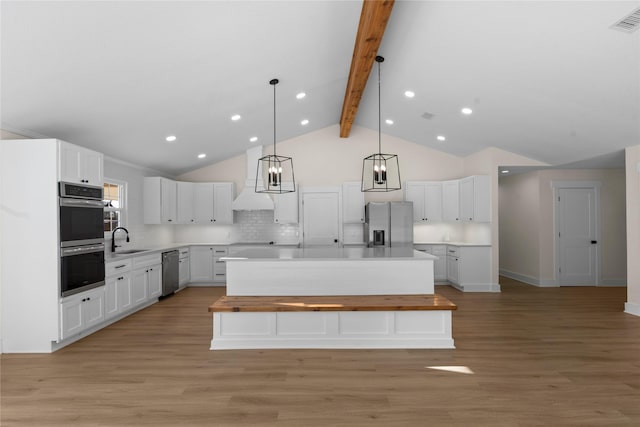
<point>525,357</point>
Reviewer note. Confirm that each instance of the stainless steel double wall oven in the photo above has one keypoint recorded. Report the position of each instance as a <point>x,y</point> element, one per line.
<point>81,232</point>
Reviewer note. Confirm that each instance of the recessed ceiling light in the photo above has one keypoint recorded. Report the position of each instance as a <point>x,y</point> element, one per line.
<point>301,95</point>
<point>235,117</point>
<point>504,171</point>
<point>304,122</point>
<point>466,110</point>
<point>389,121</point>
<point>171,138</point>
<point>253,139</point>
<point>409,94</point>
<point>202,156</point>
<point>441,138</point>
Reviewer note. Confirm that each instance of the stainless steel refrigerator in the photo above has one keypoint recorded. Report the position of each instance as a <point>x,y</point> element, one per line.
<point>388,224</point>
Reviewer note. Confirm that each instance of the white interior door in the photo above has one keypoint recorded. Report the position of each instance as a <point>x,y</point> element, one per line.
<point>577,244</point>
<point>321,217</point>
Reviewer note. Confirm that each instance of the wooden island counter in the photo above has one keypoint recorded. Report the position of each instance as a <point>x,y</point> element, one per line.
<point>331,298</point>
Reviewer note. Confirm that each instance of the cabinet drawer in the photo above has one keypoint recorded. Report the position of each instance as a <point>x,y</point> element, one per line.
<point>117,267</point>
<point>220,277</point>
<point>184,252</point>
<point>453,250</point>
<point>218,252</point>
<point>146,260</point>
<point>439,250</point>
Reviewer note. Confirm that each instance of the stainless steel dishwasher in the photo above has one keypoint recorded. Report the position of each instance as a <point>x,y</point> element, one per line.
<point>170,266</point>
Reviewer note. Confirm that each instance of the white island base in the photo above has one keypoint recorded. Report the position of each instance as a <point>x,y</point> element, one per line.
<point>331,298</point>
<point>332,329</point>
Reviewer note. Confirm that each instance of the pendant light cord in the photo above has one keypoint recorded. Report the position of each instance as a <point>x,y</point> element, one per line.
<point>379,108</point>
<point>274,119</point>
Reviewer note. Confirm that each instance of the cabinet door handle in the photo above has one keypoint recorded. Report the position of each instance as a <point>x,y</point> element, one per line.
<point>120,278</point>
<point>120,266</point>
<point>169,220</point>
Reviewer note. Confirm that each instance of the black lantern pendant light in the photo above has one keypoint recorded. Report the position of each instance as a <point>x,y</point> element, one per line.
<point>380,172</point>
<point>275,173</point>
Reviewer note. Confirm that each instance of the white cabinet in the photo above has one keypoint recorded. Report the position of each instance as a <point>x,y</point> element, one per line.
<point>160,196</point>
<point>469,267</point>
<point>440,264</point>
<point>185,208</point>
<point>223,193</point>
<point>285,208</point>
<point>427,200</point>
<point>205,264</point>
<point>450,201</point>
<point>219,267</point>
<point>80,165</point>
<point>82,311</point>
<point>118,287</point>
<point>203,202</point>
<point>184,268</point>
<point>146,278</point>
<point>212,202</point>
<point>352,203</point>
<point>139,279</point>
<point>201,263</point>
<point>475,199</point>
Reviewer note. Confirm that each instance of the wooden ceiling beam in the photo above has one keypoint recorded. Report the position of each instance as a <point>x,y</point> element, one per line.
<point>373,21</point>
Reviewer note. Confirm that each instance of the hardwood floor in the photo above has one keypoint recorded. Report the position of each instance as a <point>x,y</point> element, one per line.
<point>525,357</point>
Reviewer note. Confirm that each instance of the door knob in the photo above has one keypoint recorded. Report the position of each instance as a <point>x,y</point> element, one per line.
<point>593,242</point>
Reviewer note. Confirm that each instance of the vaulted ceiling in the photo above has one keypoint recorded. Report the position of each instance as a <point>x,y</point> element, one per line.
<point>548,80</point>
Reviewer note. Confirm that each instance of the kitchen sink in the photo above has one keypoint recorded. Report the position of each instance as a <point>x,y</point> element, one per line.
<point>129,251</point>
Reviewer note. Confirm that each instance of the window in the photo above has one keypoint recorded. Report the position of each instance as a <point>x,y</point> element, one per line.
<point>115,204</point>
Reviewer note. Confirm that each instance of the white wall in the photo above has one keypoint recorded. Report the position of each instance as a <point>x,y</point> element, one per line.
<point>519,206</point>
<point>141,235</point>
<point>632,156</point>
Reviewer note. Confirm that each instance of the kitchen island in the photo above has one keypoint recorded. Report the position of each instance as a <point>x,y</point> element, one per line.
<point>331,298</point>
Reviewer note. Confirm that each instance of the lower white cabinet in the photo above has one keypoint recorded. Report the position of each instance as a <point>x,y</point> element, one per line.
<point>201,263</point>
<point>469,267</point>
<point>184,268</point>
<point>82,311</point>
<point>146,282</point>
<point>117,294</point>
<point>205,264</point>
<point>440,264</point>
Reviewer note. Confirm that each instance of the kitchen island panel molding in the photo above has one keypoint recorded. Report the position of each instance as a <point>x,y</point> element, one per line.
<point>335,329</point>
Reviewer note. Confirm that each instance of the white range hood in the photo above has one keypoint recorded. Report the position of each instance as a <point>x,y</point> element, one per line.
<point>248,199</point>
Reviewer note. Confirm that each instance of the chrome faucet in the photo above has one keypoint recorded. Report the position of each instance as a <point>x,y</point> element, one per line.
<point>113,237</point>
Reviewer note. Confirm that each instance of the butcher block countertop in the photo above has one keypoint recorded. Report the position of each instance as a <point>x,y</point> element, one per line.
<point>331,303</point>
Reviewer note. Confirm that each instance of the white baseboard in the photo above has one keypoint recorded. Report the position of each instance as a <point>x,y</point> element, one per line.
<point>632,308</point>
<point>477,287</point>
<point>613,282</point>
<point>529,280</point>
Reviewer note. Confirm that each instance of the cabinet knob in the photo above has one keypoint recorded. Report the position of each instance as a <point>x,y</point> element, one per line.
<point>211,220</point>
<point>169,220</point>
<point>120,278</point>
<point>151,269</point>
<point>146,271</point>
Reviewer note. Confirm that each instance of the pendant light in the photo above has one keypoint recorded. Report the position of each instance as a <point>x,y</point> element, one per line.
<point>275,173</point>
<point>380,172</point>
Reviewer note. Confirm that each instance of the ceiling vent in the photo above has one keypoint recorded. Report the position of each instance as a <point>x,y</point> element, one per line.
<point>629,23</point>
<point>427,116</point>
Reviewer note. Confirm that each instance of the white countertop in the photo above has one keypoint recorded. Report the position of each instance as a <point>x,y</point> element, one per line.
<point>452,243</point>
<point>344,253</point>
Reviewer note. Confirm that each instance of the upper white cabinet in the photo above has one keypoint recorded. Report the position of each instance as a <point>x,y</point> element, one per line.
<point>475,202</point>
<point>203,202</point>
<point>79,165</point>
<point>450,201</point>
<point>285,208</point>
<point>427,200</point>
<point>352,202</point>
<point>185,208</point>
<point>223,193</point>
<point>212,202</point>
<point>160,196</point>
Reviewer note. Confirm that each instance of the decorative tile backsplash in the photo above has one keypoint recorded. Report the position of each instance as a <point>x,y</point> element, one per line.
<point>258,226</point>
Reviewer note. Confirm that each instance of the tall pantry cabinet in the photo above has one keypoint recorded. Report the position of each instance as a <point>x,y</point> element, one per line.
<point>29,173</point>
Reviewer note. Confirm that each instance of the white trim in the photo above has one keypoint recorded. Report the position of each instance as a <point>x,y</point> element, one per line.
<point>632,308</point>
<point>557,185</point>
<point>124,201</point>
<point>613,282</point>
